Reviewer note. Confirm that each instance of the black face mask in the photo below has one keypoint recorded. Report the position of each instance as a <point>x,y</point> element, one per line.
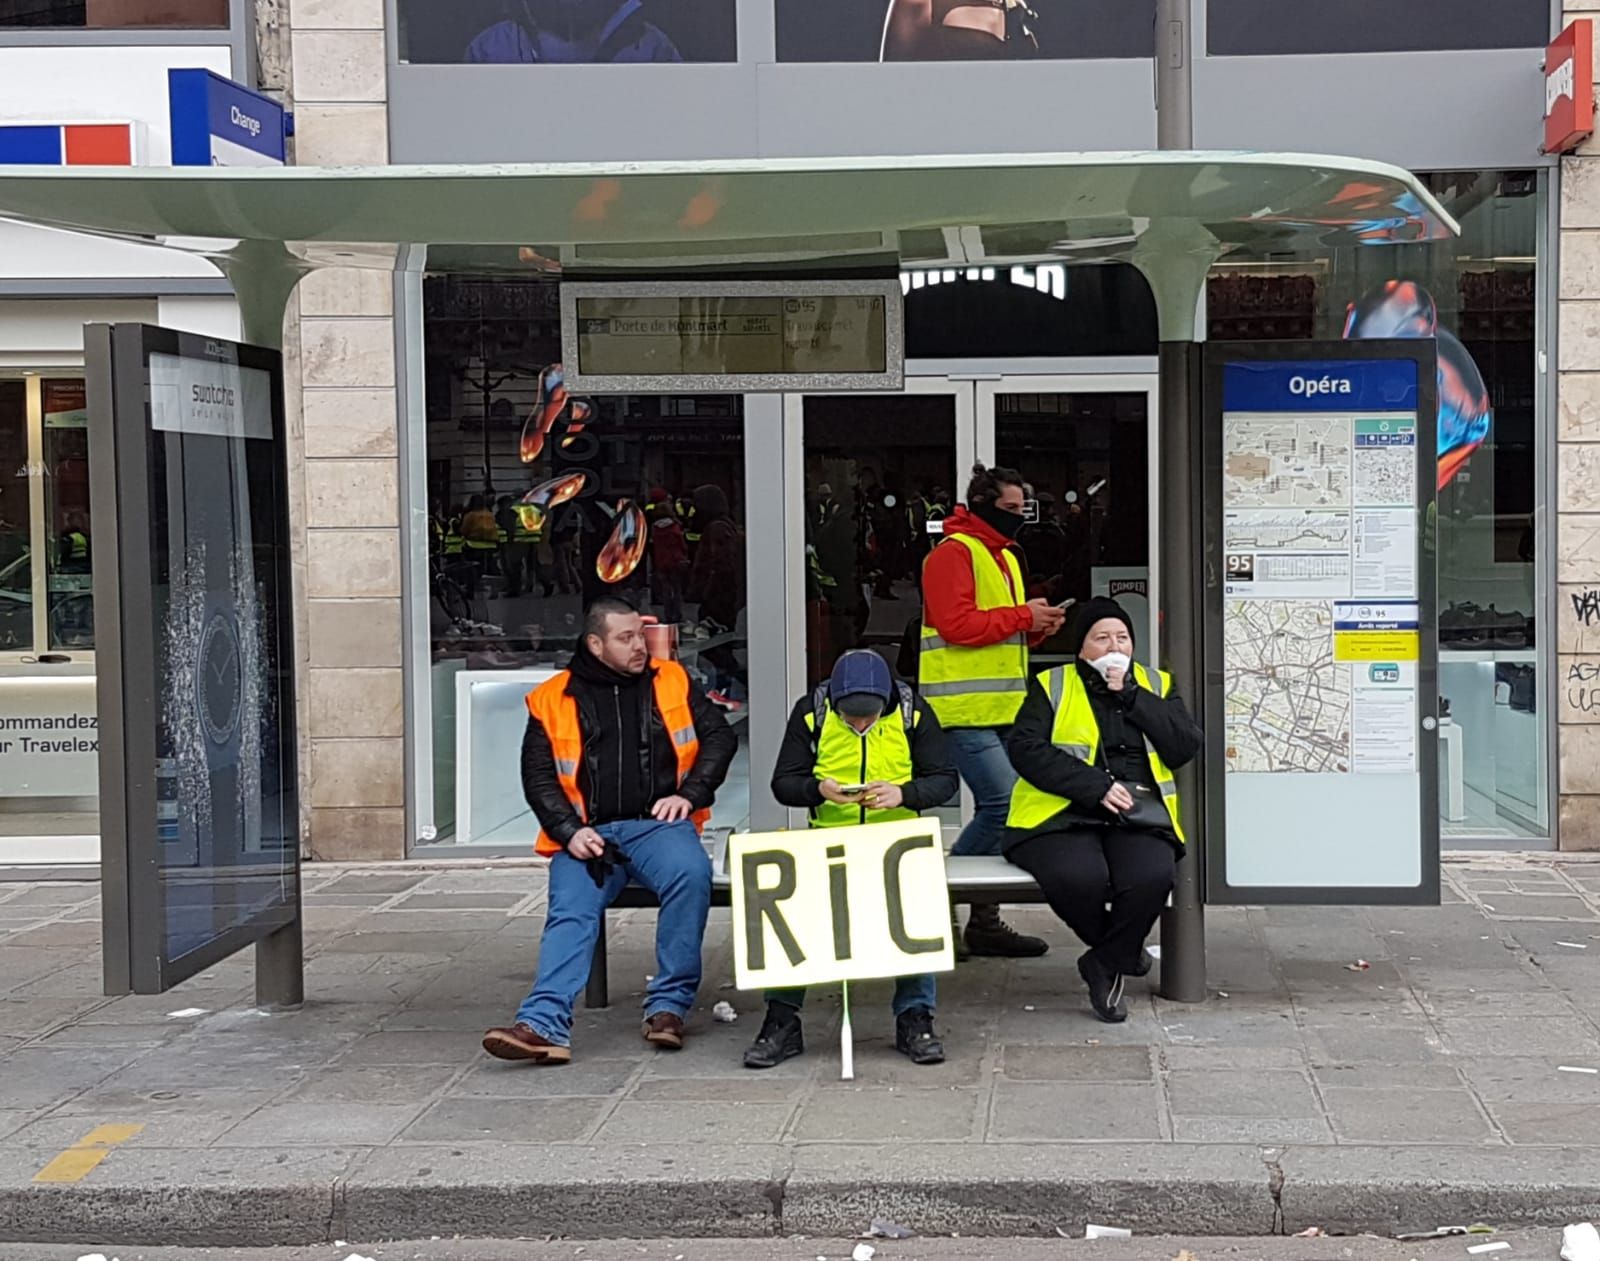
<point>998,519</point>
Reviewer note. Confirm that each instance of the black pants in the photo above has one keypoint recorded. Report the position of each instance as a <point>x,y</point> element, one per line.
<point>1080,869</point>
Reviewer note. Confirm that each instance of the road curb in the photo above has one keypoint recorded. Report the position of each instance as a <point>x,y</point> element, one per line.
<point>823,1190</point>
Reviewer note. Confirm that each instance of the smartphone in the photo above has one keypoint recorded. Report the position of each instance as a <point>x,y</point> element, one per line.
<point>1068,602</point>
<point>852,790</point>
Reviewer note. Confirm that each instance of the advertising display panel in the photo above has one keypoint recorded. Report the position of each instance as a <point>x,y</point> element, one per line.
<point>1322,623</point>
<point>196,692</point>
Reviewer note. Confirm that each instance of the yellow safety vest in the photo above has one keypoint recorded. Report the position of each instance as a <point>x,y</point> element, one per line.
<point>1076,732</point>
<point>80,545</point>
<point>847,756</point>
<point>978,687</point>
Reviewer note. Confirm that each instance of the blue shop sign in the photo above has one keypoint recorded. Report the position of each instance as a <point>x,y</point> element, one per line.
<point>216,122</point>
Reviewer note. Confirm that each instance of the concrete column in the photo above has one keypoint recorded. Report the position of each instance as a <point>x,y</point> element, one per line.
<point>1578,492</point>
<point>348,530</point>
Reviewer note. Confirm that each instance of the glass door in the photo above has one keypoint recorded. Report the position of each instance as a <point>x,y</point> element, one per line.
<point>1085,446</point>
<point>879,474</point>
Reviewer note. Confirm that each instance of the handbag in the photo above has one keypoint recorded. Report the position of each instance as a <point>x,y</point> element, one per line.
<point>1149,811</point>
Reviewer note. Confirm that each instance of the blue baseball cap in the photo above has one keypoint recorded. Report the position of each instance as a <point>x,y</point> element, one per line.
<point>861,684</point>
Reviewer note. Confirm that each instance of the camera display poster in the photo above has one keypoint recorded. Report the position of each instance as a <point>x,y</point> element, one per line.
<point>568,32</point>
<point>964,30</point>
<point>1324,487</point>
<point>202,512</point>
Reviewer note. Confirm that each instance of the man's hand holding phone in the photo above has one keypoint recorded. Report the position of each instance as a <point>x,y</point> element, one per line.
<point>1047,617</point>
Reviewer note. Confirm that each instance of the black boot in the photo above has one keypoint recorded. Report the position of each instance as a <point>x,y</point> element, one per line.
<point>914,1037</point>
<point>1146,962</point>
<point>1105,989</point>
<point>780,1038</point>
<point>990,936</point>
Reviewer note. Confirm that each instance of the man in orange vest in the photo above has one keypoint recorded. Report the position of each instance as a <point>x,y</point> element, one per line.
<point>620,763</point>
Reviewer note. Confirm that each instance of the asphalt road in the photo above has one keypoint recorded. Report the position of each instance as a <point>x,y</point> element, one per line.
<point>1525,1245</point>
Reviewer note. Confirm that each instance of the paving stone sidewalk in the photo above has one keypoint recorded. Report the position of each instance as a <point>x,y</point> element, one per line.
<point>1419,1054</point>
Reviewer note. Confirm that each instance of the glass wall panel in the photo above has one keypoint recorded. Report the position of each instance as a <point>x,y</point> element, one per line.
<point>539,502</point>
<point>1476,297</point>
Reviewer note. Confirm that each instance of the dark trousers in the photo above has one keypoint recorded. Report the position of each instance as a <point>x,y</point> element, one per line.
<point>1080,869</point>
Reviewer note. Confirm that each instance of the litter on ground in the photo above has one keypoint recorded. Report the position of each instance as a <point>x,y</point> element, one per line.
<point>1580,1242</point>
<point>881,1229</point>
<point>1091,1231</point>
<point>724,1014</point>
<point>1499,1245</point>
<point>1360,965</point>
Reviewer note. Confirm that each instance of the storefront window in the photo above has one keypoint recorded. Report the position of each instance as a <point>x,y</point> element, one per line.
<point>69,552</point>
<point>16,515</point>
<point>116,14</point>
<point>539,502</point>
<point>48,764</point>
<point>1476,298</point>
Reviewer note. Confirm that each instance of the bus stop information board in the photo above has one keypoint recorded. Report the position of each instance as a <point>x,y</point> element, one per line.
<point>1321,489</point>
<point>746,336</point>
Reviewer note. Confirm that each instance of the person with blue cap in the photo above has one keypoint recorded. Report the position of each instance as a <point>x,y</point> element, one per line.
<point>861,748</point>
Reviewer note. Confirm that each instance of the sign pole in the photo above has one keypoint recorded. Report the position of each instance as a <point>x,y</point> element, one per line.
<point>847,1049</point>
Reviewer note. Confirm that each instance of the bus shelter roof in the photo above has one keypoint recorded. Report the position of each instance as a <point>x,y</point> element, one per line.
<point>1171,214</point>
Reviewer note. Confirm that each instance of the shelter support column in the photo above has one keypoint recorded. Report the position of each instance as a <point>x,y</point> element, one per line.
<point>1175,260</point>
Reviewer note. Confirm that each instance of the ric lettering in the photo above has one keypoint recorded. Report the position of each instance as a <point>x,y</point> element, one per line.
<point>898,933</point>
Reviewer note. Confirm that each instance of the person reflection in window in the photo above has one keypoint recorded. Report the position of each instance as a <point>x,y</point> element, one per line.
<point>572,33</point>
<point>958,30</point>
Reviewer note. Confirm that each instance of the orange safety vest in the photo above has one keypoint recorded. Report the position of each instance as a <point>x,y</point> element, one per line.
<point>558,714</point>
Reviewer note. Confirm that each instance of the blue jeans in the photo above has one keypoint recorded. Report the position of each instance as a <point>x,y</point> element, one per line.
<point>909,992</point>
<point>667,859</point>
<point>980,754</point>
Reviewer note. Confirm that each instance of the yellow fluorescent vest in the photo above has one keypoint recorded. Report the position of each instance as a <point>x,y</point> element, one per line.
<point>1076,732</point>
<point>848,757</point>
<point>977,687</point>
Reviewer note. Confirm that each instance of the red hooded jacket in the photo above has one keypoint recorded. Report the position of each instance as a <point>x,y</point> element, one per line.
<point>949,591</point>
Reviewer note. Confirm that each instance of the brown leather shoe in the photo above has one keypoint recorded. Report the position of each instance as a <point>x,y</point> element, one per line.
<point>664,1030</point>
<point>520,1042</point>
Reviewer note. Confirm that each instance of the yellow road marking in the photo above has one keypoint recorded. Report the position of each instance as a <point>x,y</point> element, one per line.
<point>75,1164</point>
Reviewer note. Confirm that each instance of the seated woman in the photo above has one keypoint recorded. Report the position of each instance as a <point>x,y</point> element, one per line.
<point>1094,817</point>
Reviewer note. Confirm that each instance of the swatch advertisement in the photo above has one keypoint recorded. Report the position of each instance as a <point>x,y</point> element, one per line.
<point>568,32</point>
<point>964,30</point>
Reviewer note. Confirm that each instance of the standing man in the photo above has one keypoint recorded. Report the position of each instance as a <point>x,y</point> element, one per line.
<point>620,763</point>
<point>860,749</point>
<point>977,626</point>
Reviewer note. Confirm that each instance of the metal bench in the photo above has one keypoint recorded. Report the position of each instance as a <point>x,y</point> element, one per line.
<point>970,880</point>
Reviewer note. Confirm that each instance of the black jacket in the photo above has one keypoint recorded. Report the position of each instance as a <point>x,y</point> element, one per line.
<point>1125,719</point>
<point>933,774</point>
<point>656,768</point>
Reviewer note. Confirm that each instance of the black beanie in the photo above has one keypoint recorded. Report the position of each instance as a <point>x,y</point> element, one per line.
<point>1097,610</point>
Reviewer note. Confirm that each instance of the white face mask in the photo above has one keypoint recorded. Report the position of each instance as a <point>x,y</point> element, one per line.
<point>1112,661</point>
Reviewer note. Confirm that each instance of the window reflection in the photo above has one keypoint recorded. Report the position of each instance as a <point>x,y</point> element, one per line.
<point>1476,299</point>
<point>540,502</point>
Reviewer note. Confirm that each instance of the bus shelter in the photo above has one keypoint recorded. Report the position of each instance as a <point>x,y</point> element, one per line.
<point>1172,215</point>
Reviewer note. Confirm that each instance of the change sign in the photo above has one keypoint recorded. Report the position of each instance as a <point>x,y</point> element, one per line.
<point>839,904</point>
